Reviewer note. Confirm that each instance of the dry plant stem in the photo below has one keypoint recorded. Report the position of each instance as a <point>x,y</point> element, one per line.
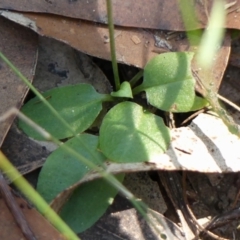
<point>223,219</point>
<point>15,210</point>
<point>229,102</point>
<point>236,199</point>
<point>200,227</point>
<point>172,186</point>
<point>193,116</point>
<point>204,109</point>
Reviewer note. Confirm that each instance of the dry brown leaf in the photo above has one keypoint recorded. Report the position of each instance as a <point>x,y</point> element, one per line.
<point>164,14</point>
<point>91,39</point>
<point>220,63</point>
<point>20,46</point>
<point>205,146</point>
<point>41,228</point>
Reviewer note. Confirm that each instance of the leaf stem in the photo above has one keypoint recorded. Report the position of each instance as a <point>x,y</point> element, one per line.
<point>112,44</point>
<point>135,79</point>
<point>137,90</point>
<point>107,98</point>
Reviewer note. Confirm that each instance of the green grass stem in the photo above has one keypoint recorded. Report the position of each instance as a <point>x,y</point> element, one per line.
<point>35,198</point>
<point>112,44</point>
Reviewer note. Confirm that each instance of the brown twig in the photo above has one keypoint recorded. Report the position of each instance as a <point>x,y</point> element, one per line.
<point>194,115</point>
<point>15,210</point>
<point>224,219</point>
<point>236,199</point>
<point>172,185</point>
<point>175,190</point>
<point>199,226</point>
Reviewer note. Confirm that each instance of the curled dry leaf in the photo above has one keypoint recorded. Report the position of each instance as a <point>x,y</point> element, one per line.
<point>91,38</point>
<point>15,38</point>
<point>205,146</point>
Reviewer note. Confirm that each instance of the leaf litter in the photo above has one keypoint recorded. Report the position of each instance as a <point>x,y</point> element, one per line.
<point>12,90</point>
<point>154,15</point>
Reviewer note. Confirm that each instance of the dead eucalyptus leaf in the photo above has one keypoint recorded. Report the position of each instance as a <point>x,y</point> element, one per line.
<point>41,228</point>
<point>156,14</point>
<point>164,14</point>
<point>219,65</point>
<point>19,45</point>
<point>205,146</point>
<point>91,39</point>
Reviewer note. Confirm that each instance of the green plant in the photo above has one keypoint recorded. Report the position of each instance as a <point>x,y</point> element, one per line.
<point>128,133</point>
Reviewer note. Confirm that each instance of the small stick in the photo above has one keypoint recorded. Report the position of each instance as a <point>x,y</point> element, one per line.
<point>233,105</point>
<point>223,219</point>
<point>191,214</point>
<point>15,210</point>
<point>193,115</point>
<point>236,199</point>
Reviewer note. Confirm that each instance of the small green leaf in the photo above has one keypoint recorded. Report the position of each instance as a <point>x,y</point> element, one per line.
<point>169,83</point>
<point>61,169</point>
<point>124,91</point>
<point>88,203</point>
<point>130,134</point>
<point>78,104</point>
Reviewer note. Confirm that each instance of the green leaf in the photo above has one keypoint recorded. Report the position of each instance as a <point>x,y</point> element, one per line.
<point>61,169</point>
<point>169,83</point>
<point>131,134</point>
<point>88,203</point>
<point>78,104</point>
<point>124,91</point>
